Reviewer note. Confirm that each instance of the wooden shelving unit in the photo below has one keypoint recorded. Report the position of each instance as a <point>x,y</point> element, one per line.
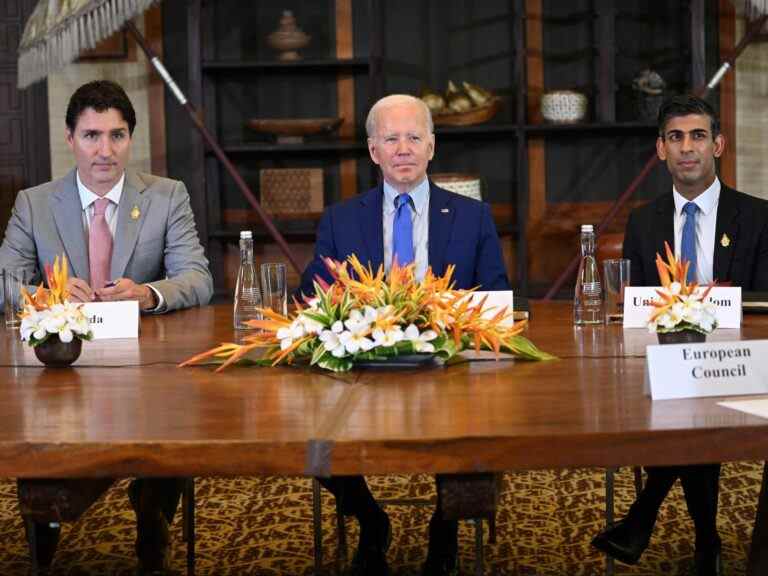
<point>518,48</point>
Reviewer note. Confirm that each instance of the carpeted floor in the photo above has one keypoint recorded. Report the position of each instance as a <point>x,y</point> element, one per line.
<point>263,526</point>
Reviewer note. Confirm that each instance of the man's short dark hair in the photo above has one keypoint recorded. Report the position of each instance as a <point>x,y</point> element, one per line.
<point>101,95</point>
<point>684,105</point>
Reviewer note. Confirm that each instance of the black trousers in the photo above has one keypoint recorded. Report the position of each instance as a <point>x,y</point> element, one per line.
<point>354,498</point>
<point>701,484</point>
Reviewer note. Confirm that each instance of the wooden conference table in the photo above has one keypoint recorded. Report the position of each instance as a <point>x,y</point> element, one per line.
<point>125,409</point>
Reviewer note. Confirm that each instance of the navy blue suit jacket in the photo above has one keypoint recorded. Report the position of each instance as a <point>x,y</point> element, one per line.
<point>461,232</point>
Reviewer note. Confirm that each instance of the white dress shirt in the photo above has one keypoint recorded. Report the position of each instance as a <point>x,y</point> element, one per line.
<point>87,198</point>
<point>706,223</point>
<point>420,196</point>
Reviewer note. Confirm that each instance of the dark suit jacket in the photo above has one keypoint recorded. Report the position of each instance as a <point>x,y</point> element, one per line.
<point>743,218</point>
<point>461,232</point>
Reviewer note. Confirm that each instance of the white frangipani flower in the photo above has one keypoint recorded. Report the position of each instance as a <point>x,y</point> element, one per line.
<point>421,342</point>
<point>65,320</point>
<point>356,339</point>
<point>332,343</point>
<point>310,326</point>
<point>289,334</point>
<point>389,337</point>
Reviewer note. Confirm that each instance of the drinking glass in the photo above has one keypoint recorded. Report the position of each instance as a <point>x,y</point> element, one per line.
<point>13,281</point>
<point>615,279</point>
<point>273,287</point>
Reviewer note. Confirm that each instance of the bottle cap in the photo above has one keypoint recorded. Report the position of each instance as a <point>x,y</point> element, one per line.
<point>587,228</point>
<point>246,234</point>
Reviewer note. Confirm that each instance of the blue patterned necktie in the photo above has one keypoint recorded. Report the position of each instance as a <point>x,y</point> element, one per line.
<point>402,230</point>
<point>688,244</point>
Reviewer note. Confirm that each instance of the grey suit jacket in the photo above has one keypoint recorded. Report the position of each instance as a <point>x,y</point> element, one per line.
<point>160,247</point>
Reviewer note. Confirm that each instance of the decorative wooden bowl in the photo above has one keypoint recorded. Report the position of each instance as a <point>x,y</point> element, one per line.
<point>293,130</point>
<point>474,116</point>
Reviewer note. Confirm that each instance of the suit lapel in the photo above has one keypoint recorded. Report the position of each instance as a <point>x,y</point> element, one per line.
<point>371,226</point>
<point>441,217</point>
<point>727,226</point>
<point>665,232</point>
<point>127,229</point>
<point>68,214</point>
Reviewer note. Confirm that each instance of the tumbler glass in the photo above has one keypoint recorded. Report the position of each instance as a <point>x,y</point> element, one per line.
<point>273,287</point>
<point>615,279</point>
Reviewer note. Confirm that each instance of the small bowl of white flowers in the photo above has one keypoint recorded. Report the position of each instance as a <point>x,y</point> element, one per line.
<point>50,323</point>
<point>683,313</point>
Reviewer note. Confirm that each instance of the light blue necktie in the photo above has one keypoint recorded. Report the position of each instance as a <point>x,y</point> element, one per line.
<point>402,230</point>
<point>688,244</point>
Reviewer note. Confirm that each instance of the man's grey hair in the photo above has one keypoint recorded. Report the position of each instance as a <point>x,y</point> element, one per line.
<point>392,100</point>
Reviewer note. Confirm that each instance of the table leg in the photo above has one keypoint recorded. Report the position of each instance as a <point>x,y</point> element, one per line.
<point>757,563</point>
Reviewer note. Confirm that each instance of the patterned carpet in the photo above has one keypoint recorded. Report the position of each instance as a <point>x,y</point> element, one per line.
<point>263,526</point>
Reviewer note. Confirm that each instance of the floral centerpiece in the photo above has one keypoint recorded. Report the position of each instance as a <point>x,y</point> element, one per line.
<point>365,316</point>
<point>683,307</point>
<point>48,314</point>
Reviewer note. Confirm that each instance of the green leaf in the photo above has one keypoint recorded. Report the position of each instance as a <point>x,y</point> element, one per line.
<point>525,349</point>
<point>330,362</point>
<point>320,351</point>
<point>445,347</point>
<point>320,317</point>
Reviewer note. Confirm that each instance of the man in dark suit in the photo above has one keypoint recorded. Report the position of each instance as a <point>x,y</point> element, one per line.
<point>408,218</point>
<point>729,236</point>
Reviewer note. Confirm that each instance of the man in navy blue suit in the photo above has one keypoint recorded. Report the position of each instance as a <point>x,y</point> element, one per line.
<point>408,218</point>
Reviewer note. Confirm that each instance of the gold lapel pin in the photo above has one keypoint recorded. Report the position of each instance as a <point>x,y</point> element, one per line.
<point>725,241</point>
<point>445,210</point>
<point>135,213</point>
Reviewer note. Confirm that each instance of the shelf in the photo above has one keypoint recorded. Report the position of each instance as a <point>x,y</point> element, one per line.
<point>304,230</point>
<point>314,146</point>
<point>590,128</point>
<point>314,65</point>
<point>507,230</point>
<point>488,128</point>
<point>298,231</point>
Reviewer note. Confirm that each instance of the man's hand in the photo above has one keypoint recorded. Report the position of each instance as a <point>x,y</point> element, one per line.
<point>127,289</point>
<point>80,291</point>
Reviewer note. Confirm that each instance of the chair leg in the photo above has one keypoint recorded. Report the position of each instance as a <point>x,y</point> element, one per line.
<point>317,525</point>
<point>479,557</point>
<point>32,542</point>
<point>638,480</point>
<point>609,473</point>
<point>188,525</point>
<point>492,529</point>
<point>341,527</point>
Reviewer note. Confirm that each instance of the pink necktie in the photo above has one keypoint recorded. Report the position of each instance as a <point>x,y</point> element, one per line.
<point>99,245</point>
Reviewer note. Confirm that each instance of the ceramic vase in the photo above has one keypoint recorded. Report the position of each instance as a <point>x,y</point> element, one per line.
<point>681,337</point>
<point>57,354</point>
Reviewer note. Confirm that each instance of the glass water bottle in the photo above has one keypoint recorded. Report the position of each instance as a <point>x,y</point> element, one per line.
<point>247,293</point>
<point>588,296</point>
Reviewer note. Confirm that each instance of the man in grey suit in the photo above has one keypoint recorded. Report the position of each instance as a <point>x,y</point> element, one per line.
<point>127,236</point>
<point>156,258</point>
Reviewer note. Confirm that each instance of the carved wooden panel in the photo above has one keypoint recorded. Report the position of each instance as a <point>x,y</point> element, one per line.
<point>24,146</point>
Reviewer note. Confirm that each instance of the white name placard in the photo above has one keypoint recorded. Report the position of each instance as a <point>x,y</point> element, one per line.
<point>638,299</point>
<point>113,319</point>
<point>707,369</point>
<point>494,302</point>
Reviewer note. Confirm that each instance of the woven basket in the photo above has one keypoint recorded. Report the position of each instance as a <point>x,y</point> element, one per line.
<point>563,106</point>
<point>291,192</point>
<point>464,184</point>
